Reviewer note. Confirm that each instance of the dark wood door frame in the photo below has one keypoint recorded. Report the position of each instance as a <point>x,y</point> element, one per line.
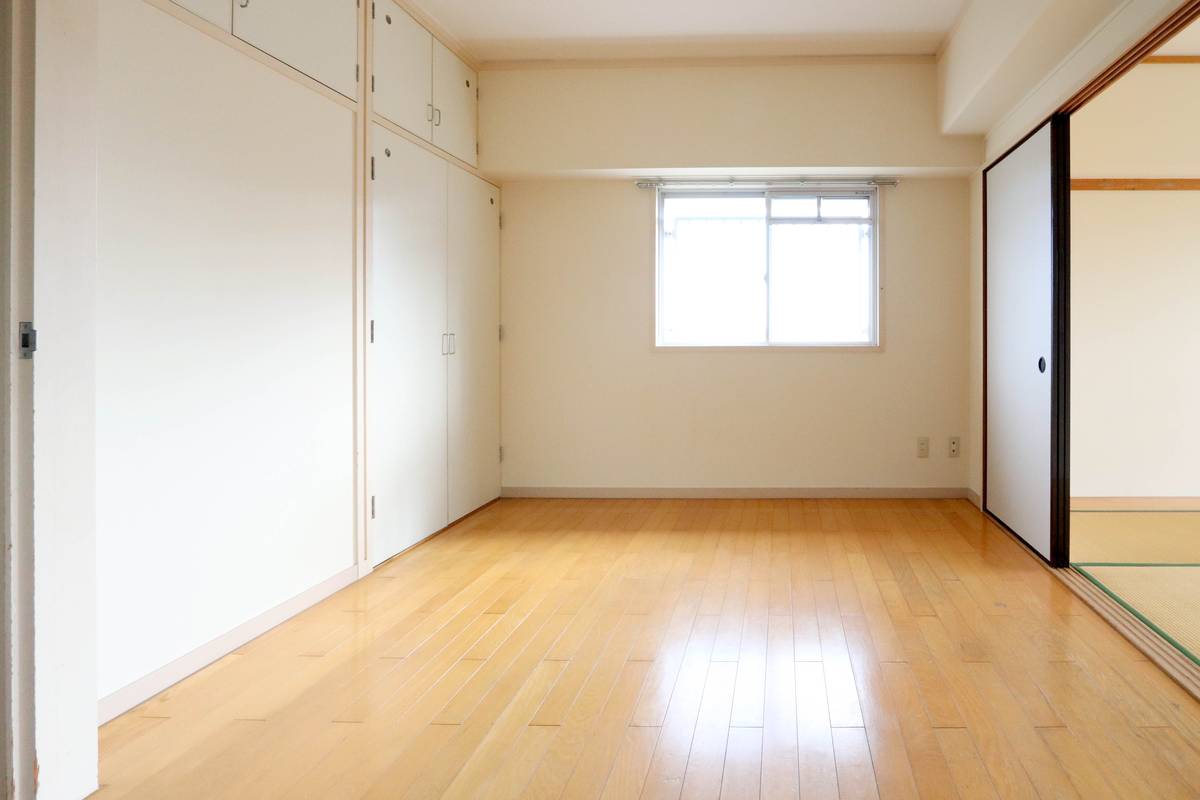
<point>1060,387</point>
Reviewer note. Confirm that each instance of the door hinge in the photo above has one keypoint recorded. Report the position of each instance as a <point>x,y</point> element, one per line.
<point>372,11</point>
<point>372,331</point>
<point>501,218</point>
<point>356,73</point>
<point>372,506</point>
<point>501,333</point>
<point>372,167</point>
<point>501,454</point>
<point>28,339</point>
<point>372,83</point>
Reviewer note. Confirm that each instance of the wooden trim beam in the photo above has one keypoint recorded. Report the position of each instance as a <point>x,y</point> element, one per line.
<point>1180,19</point>
<point>1135,184</point>
<point>1171,60</point>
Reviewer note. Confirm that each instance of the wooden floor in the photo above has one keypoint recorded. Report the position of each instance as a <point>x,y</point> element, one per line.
<point>665,649</point>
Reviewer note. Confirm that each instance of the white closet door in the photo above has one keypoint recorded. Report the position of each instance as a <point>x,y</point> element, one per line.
<point>406,370</point>
<point>317,37</point>
<point>454,95</point>
<point>1020,275</point>
<point>474,311</point>
<point>403,70</point>
<point>218,12</point>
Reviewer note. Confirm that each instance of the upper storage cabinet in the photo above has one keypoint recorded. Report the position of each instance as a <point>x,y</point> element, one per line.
<point>455,89</point>
<point>317,37</point>
<point>218,12</point>
<point>402,78</point>
<point>420,85</point>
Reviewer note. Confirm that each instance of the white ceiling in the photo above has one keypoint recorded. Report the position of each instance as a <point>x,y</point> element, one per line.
<point>496,30</point>
<point>1184,43</point>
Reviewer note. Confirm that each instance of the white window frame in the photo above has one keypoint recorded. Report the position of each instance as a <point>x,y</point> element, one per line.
<point>871,193</point>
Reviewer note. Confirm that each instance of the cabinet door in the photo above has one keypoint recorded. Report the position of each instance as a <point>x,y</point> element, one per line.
<point>218,12</point>
<point>474,312</point>
<point>406,370</point>
<point>317,37</point>
<point>403,70</point>
<point>454,96</point>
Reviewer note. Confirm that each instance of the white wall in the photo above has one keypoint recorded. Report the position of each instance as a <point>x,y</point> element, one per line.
<point>587,401</point>
<point>1134,290</point>
<point>224,340</point>
<point>811,114</point>
<point>1146,125</point>
<point>64,419</point>
<point>1135,343</point>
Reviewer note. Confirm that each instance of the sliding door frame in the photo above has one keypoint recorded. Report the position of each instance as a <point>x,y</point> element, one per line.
<point>1060,402</point>
<point>1060,355</point>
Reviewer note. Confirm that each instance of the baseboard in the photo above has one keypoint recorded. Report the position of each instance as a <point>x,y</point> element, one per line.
<point>747,493</point>
<point>1135,503</point>
<point>975,499</point>
<point>143,689</point>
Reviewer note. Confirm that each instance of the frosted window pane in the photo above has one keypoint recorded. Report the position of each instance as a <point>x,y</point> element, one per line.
<point>821,284</point>
<point>856,207</point>
<point>712,281</point>
<point>794,207</point>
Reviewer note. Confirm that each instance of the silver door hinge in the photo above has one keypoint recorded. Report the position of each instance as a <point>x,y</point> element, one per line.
<point>27,336</point>
<point>372,506</point>
<point>372,331</point>
<point>356,73</point>
<point>372,83</point>
<point>501,218</point>
<point>501,453</point>
<point>501,333</point>
<point>372,167</point>
<point>372,11</point>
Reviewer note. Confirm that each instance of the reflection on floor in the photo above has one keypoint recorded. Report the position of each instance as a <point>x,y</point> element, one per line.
<point>1149,562</point>
<point>673,649</point>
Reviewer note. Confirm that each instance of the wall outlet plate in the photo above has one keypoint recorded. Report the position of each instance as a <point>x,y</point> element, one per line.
<point>955,447</point>
<point>922,447</point>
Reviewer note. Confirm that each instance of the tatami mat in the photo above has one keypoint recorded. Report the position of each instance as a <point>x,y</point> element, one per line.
<point>1166,597</point>
<point>1143,537</point>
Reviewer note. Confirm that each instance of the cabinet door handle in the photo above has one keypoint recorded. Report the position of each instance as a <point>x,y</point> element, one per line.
<point>244,3</point>
<point>429,112</point>
<point>452,348</point>
<point>445,340</point>
<point>437,118</point>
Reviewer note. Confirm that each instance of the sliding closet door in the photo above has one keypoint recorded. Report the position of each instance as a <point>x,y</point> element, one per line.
<point>406,368</point>
<point>474,309</point>
<point>1026,348</point>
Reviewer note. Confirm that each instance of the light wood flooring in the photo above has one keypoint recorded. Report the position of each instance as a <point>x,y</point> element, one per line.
<point>690,648</point>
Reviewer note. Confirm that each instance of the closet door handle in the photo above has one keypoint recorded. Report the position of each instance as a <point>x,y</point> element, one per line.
<point>429,112</point>
<point>452,347</point>
<point>437,118</point>
<point>445,344</point>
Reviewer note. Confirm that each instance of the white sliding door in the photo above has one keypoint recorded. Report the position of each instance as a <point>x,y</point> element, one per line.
<point>1022,364</point>
<point>406,391</point>
<point>474,363</point>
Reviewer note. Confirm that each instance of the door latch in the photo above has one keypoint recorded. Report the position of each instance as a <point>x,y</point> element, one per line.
<point>28,339</point>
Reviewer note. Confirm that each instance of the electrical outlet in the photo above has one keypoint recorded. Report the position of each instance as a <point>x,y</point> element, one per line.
<point>922,447</point>
<point>954,447</point>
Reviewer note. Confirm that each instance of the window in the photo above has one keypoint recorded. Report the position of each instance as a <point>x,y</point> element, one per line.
<point>757,269</point>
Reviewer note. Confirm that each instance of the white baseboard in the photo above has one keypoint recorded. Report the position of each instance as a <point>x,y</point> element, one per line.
<point>688,493</point>
<point>975,499</point>
<point>143,689</point>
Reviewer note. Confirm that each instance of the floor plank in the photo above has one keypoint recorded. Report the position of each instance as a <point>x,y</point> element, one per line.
<point>622,649</point>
